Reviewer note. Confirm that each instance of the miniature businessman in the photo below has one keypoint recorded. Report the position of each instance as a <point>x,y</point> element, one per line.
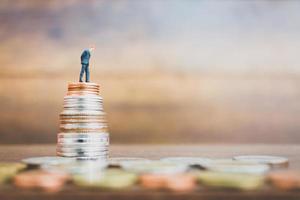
<point>85,60</point>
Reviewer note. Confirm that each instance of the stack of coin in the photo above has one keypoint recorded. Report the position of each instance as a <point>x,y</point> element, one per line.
<point>83,126</point>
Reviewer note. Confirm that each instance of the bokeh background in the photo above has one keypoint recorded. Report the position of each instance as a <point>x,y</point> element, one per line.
<point>171,71</point>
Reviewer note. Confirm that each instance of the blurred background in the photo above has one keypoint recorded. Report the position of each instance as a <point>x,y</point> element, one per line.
<point>170,71</point>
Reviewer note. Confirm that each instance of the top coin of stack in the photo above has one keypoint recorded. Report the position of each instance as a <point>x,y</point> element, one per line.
<point>83,125</point>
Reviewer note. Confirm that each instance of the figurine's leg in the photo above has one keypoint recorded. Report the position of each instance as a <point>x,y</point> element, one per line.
<point>87,73</point>
<point>81,72</point>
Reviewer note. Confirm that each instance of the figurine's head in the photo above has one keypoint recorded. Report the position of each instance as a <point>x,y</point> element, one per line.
<point>92,48</point>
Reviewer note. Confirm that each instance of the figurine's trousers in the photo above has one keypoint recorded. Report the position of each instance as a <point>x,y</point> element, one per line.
<point>85,68</point>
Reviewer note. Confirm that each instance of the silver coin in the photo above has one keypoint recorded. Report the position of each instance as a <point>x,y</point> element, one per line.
<point>83,126</point>
<point>77,146</point>
<point>84,141</point>
<point>83,120</point>
<point>83,98</point>
<point>97,158</point>
<point>82,154</point>
<point>119,160</point>
<point>68,112</point>
<point>264,159</point>
<point>154,167</point>
<point>46,160</point>
<point>234,166</point>
<point>67,117</point>
<point>188,160</point>
<point>95,104</point>
<point>80,101</point>
<point>83,103</point>
<point>96,135</point>
<point>82,149</point>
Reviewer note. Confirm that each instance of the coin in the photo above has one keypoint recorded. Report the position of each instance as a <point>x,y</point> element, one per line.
<point>273,161</point>
<point>154,167</point>
<point>64,143</point>
<point>83,154</point>
<point>112,179</point>
<point>9,169</point>
<point>116,161</point>
<point>46,160</point>
<point>188,160</point>
<point>286,180</point>
<point>82,166</point>
<point>230,180</point>
<point>81,149</point>
<point>175,182</point>
<point>234,166</point>
<point>85,131</point>
<point>83,126</point>
<point>81,113</point>
<point>48,181</point>
<point>100,135</point>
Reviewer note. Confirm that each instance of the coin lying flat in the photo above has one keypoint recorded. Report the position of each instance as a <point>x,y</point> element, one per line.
<point>273,161</point>
<point>154,167</point>
<point>117,161</point>
<point>175,182</point>
<point>46,160</point>
<point>230,180</point>
<point>188,160</point>
<point>9,169</point>
<point>112,179</point>
<point>48,181</point>
<point>234,166</point>
<point>286,180</point>
<point>80,166</point>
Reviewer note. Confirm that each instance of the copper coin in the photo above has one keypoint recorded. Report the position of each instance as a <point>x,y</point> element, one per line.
<point>83,84</point>
<point>175,182</point>
<point>285,180</point>
<point>181,182</point>
<point>48,181</point>
<point>153,181</point>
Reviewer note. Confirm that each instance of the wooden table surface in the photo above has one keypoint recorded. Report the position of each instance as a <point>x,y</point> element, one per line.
<point>17,152</point>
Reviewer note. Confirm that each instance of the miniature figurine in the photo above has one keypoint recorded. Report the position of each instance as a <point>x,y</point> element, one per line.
<point>85,60</point>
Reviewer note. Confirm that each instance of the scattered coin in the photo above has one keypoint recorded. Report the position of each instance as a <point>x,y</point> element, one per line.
<point>175,182</point>
<point>286,180</point>
<point>111,179</point>
<point>9,169</point>
<point>46,160</point>
<point>154,167</point>
<point>235,166</point>
<point>47,181</point>
<point>82,167</point>
<point>117,161</point>
<point>231,180</point>
<point>192,161</point>
<point>273,161</point>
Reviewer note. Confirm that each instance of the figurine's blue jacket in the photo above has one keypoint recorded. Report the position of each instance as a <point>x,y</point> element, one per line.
<point>85,57</point>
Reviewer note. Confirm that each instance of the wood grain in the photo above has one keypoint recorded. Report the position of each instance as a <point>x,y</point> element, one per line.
<point>17,152</point>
